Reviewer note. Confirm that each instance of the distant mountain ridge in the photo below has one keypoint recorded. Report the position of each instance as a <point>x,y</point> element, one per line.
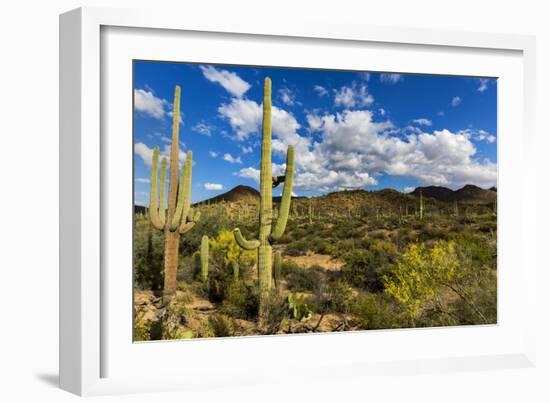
<point>467,194</point>
<point>385,198</point>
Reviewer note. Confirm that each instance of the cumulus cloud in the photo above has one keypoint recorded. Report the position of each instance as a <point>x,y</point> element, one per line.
<point>143,180</point>
<point>352,96</point>
<point>229,158</point>
<point>287,96</point>
<point>483,84</point>
<point>479,135</point>
<point>423,122</point>
<point>390,78</point>
<point>246,150</point>
<point>353,148</point>
<point>408,189</point>
<point>456,101</point>
<point>213,154</point>
<point>213,186</point>
<point>146,102</point>
<point>146,153</point>
<point>244,116</point>
<point>203,128</point>
<point>320,90</point>
<point>232,83</point>
<point>364,76</point>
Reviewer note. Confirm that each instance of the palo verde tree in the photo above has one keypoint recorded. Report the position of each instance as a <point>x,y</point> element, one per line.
<point>179,218</point>
<point>267,233</point>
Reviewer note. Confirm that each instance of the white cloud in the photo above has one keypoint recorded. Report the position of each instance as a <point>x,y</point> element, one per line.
<point>382,111</point>
<point>213,186</point>
<point>244,115</point>
<point>287,96</point>
<point>320,90</point>
<point>246,150</point>
<point>483,84</point>
<point>390,78</point>
<point>250,173</point>
<point>408,189</point>
<point>203,128</point>
<point>353,149</point>
<point>314,122</point>
<point>232,83</point>
<point>146,153</point>
<point>456,101</point>
<point>356,95</point>
<point>213,154</point>
<point>147,103</point>
<point>143,180</point>
<point>423,122</point>
<point>479,135</point>
<point>364,76</point>
<point>229,158</point>
<point>440,113</point>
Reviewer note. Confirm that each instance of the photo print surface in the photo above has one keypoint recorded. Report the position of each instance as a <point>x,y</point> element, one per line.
<point>273,200</point>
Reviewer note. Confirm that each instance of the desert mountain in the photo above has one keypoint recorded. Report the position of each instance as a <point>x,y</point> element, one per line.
<point>468,194</point>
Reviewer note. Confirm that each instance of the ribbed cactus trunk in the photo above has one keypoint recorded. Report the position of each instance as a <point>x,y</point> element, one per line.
<point>277,269</point>
<point>267,233</point>
<point>178,218</point>
<point>266,197</point>
<point>204,258</point>
<point>235,268</point>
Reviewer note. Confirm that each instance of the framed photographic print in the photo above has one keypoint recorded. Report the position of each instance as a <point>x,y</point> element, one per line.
<point>320,198</point>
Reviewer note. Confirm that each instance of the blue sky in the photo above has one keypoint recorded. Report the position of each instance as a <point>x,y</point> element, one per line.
<point>350,129</point>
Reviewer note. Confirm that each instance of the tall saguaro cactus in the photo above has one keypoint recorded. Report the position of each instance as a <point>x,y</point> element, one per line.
<point>268,233</point>
<point>179,218</point>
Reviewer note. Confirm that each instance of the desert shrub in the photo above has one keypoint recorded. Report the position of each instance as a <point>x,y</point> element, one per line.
<point>418,279</point>
<point>488,226</point>
<point>241,301</point>
<point>374,311</point>
<point>211,223</point>
<point>475,247</point>
<point>224,250</point>
<point>221,325</point>
<point>366,268</point>
<point>331,296</point>
<point>148,255</point>
<point>304,279</point>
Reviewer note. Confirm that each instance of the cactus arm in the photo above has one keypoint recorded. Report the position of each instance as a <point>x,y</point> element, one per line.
<point>204,258</point>
<point>280,226</point>
<point>184,193</point>
<point>186,227</point>
<point>277,180</point>
<point>162,202</point>
<point>181,195</point>
<point>277,269</point>
<point>153,196</point>
<point>244,243</point>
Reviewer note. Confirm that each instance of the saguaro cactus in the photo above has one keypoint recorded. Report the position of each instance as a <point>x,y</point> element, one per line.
<point>267,233</point>
<point>277,269</point>
<point>204,258</point>
<point>235,268</point>
<point>180,217</point>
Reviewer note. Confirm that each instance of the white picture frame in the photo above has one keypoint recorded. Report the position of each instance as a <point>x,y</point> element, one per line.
<point>92,358</point>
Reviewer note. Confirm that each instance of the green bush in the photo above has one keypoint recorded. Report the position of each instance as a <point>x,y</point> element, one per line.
<point>241,301</point>
<point>366,268</point>
<point>304,279</point>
